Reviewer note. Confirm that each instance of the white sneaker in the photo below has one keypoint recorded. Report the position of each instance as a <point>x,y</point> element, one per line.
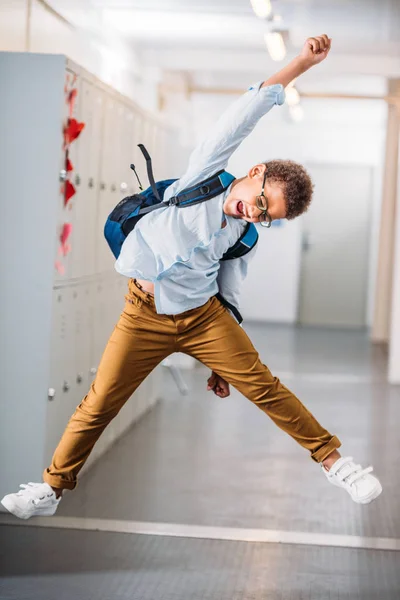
<point>33,500</point>
<point>358,482</point>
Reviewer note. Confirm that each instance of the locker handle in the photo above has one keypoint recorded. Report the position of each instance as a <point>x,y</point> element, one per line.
<point>91,182</point>
<point>66,386</point>
<point>113,187</point>
<point>102,186</point>
<point>51,394</point>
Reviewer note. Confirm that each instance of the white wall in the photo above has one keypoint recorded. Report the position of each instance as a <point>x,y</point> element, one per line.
<point>333,131</point>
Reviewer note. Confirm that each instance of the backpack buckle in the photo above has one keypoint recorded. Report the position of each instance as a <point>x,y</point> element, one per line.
<point>173,201</point>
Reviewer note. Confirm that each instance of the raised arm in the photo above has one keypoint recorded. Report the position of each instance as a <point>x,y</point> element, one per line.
<point>314,51</point>
<point>239,120</point>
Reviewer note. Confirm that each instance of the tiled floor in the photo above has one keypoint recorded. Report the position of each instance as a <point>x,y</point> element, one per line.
<point>202,460</point>
<point>49,564</point>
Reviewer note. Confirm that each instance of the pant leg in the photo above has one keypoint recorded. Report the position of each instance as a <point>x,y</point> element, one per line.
<point>214,338</point>
<point>140,341</point>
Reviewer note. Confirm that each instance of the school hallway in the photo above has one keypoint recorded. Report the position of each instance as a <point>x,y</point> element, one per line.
<point>205,498</point>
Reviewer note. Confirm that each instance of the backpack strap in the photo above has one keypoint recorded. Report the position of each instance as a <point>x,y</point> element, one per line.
<point>245,243</point>
<point>230,306</point>
<point>211,187</point>
<point>150,172</point>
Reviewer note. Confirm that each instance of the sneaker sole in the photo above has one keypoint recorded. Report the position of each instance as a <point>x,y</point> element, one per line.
<point>373,495</point>
<point>17,512</point>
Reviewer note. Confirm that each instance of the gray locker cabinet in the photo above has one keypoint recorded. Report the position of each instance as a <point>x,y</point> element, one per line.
<point>54,327</point>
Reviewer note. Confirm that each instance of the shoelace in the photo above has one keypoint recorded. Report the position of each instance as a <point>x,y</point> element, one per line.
<point>31,489</point>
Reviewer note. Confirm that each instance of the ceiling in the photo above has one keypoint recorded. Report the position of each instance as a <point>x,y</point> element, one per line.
<point>165,31</point>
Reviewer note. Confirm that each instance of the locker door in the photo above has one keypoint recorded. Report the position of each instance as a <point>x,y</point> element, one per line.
<point>82,339</point>
<point>108,177</point>
<point>102,324</point>
<point>138,159</point>
<point>126,176</point>
<point>62,389</point>
<point>86,181</point>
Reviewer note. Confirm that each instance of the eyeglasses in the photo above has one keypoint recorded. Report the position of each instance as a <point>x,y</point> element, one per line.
<point>262,204</point>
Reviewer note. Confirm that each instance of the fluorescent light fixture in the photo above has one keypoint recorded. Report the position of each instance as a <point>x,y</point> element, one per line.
<point>262,8</point>
<point>297,113</point>
<point>292,96</point>
<point>275,45</point>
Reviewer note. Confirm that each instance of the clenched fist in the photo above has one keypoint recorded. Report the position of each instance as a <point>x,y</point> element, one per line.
<point>218,385</point>
<point>316,49</point>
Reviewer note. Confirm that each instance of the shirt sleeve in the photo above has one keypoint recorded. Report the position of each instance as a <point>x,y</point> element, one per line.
<point>213,153</point>
<point>231,275</point>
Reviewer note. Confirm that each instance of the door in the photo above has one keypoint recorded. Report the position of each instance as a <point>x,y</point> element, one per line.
<point>335,248</point>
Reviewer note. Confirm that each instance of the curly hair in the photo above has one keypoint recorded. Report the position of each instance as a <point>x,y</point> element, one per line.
<point>297,185</point>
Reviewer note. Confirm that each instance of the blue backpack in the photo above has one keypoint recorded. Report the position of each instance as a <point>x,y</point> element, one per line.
<point>131,209</point>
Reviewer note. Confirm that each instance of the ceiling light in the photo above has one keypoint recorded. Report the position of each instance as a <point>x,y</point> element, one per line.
<point>275,45</point>
<point>297,113</point>
<point>277,18</point>
<point>262,8</point>
<point>292,96</point>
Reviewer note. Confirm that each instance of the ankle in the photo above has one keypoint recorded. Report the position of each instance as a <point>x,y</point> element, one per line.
<point>330,460</point>
<point>58,492</point>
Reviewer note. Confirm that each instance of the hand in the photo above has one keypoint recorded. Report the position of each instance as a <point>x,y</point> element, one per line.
<point>219,386</point>
<point>315,50</point>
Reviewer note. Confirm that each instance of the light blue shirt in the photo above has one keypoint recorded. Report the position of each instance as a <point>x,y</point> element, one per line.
<point>179,249</point>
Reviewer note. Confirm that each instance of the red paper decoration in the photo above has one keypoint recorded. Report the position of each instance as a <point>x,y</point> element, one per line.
<point>65,233</point>
<point>69,191</point>
<point>71,100</point>
<point>65,248</point>
<point>72,131</point>
<point>59,267</point>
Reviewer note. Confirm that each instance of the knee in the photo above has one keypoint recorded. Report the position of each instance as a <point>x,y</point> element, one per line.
<point>96,409</point>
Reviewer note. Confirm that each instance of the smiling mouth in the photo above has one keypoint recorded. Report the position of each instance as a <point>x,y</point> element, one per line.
<point>240,209</point>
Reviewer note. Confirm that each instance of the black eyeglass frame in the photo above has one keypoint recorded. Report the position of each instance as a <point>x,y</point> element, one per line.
<point>265,218</point>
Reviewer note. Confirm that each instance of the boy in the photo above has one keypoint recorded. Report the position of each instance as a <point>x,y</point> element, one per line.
<point>173,259</point>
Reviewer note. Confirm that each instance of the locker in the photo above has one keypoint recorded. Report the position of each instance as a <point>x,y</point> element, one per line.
<point>86,181</point>
<point>126,175</point>
<point>103,326</point>
<point>62,388</point>
<point>82,323</point>
<point>107,193</point>
<point>137,156</point>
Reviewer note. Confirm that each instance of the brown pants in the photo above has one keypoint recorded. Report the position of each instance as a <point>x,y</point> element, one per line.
<point>140,341</point>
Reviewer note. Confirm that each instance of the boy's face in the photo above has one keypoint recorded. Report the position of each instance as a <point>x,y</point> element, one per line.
<point>241,202</point>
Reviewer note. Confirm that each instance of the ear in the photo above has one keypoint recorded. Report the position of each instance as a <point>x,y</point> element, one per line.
<point>257,171</point>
